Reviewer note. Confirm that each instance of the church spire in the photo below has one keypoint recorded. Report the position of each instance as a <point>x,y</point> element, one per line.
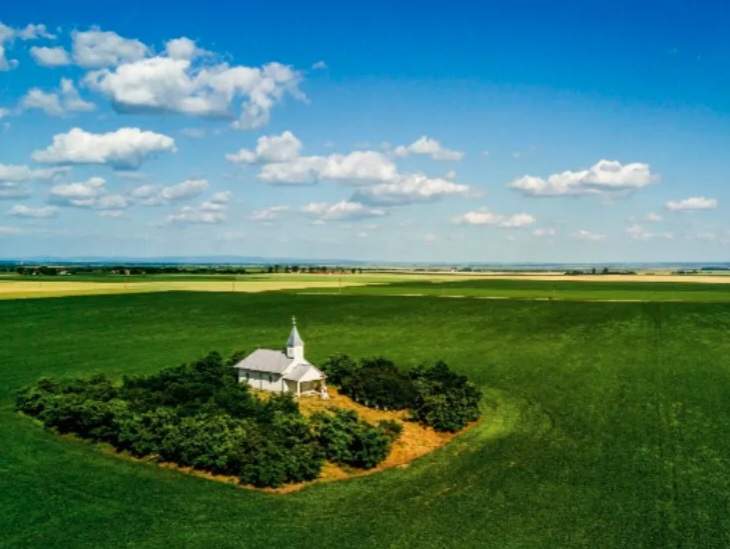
<point>295,344</point>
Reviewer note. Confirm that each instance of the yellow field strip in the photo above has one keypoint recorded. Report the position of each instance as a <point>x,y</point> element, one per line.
<point>27,289</point>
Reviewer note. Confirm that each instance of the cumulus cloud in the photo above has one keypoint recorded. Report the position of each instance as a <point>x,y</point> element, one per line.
<point>340,211</point>
<point>57,103</point>
<point>96,48</point>
<point>272,148</point>
<point>408,189</point>
<point>584,234</point>
<point>269,214</point>
<point>485,217</point>
<point>125,148</point>
<point>79,194</point>
<point>50,57</point>
<point>694,203</point>
<point>90,194</point>
<point>19,173</point>
<point>210,212</point>
<point>151,195</point>
<point>183,48</point>
<point>638,232</point>
<point>378,180</point>
<point>8,35</point>
<point>428,146</point>
<point>176,83</point>
<point>319,65</point>
<point>43,212</point>
<point>604,177</point>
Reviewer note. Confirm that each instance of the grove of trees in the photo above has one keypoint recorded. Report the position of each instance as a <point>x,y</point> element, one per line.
<point>198,415</point>
<point>435,395</point>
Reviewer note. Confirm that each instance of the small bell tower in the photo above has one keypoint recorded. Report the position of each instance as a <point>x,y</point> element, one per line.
<point>295,344</point>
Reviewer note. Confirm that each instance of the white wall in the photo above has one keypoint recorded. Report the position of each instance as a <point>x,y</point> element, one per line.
<point>260,380</point>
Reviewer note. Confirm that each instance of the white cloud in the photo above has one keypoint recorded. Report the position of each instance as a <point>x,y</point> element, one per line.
<point>176,84</point>
<point>43,212</point>
<point>485,217</point>
<point>9,34</point>
<point>19,173</point>
<point>379,183</point>
<point>637,232</point>
<point>584,234</point>
<point>4,112</point>
<point>91,194</point>
<point>425,145</point>
<point>183,48</point>
<point>653,217</point>
<point>65,100</point>
<point>151,195</point>
<point>50,57</point>
<point>11,189</point>
<point>210,212</point>
<point>319,65</point>
<point>272,148</point>
<point>34,32</point>
<point>354,167</point>
<point>82,194</point>
<point>123,148</point>
<point>544,232</point>
<point>408,189</point>
<point>95,49</point>
<point>605,176</point>
<point>269,214</point>
<point>340,211</point>
<point>186,189</point>
<point>691,204</point>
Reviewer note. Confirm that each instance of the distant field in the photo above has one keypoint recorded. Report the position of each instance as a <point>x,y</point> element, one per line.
<point>502,286</point>
<point>550,289</point>
<point>24,288</point>
<point>605,425</point>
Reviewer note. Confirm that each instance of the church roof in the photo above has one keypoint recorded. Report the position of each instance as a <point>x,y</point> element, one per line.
<point>304,372</point>
<point>295,340</point>
<point>266,360</point>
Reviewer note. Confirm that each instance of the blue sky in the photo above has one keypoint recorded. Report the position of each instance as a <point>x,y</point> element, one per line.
<point>522,131</point>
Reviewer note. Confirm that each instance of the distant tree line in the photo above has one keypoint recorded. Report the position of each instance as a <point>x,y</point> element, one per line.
<point>130,270</point>
<point>435,395</point>
<point>595,271</point>
<point>198,415</point>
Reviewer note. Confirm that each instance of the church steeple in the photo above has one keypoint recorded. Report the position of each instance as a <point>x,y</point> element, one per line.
<point>295,344</point>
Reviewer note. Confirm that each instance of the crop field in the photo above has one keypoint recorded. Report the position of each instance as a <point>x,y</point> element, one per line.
<point>501,286</point>
<point>605,422</point>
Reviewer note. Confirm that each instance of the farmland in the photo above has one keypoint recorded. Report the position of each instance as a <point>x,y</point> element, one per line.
<point>605,421</point>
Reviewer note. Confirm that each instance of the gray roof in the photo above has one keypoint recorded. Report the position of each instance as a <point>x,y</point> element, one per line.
<point>300,370</point>
<point>295,339</point>
<point>265,360</point>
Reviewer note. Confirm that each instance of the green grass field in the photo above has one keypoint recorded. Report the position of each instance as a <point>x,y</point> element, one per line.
<point>606,423</point>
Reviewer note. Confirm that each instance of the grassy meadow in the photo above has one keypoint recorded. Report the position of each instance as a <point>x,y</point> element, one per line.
<point>605,423</point>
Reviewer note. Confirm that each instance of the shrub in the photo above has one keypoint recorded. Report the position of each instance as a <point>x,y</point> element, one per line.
<point>445,400</point>
<point>379,384</point>
<point>195,415</point>
<point>338,369</point>
<point>436,396</point>
<point>347,440</point>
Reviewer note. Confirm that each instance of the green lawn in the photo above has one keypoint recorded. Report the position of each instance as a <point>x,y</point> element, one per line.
<point>606,424</point>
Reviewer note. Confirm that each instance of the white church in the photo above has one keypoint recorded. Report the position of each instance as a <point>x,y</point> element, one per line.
<point>283,371</point>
